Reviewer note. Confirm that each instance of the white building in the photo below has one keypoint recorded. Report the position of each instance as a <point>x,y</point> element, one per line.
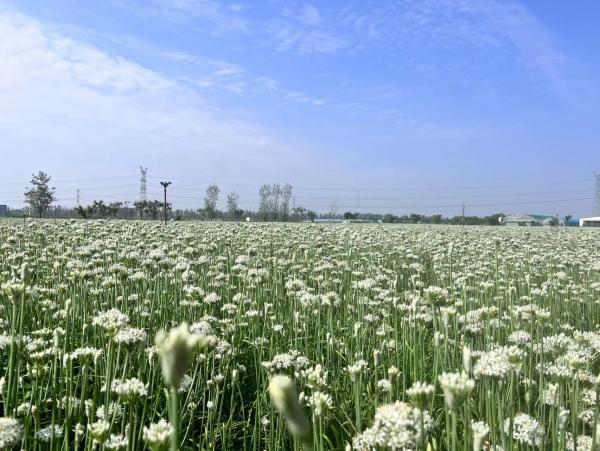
<point>594,221</point>
<point>518,219</point>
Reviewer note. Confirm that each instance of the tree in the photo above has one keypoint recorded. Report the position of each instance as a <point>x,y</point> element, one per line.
<point>311,215</point>
<point>274,202</point>
<point>40,196</point>
<point>210,201</point>
<point>155,207</point>
<point>348,215</point>
<point>264,206</point>
<point>113,208</point>
<point>150,208</point>
<point>275,195</point>
<point>84,212</point>
<point>554,221</point>
<point>99,208</point>
<point>232,205</point>
<point>567,219</point>
<point>299,213</point>
<point>286,196</point>
<point>333,208</point>
<point>415,218</point>
<point>140,206</point>
<point>494,219</point>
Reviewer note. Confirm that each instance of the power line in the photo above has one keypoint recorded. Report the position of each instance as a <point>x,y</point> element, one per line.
<point>354,189</point>
<point>308,188</point>
<point>116,191</point>
<point>99,179</point>
<point>392,208</point>
<point>531,193</point>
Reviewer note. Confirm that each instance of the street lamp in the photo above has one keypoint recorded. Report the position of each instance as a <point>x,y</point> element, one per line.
<point>165,184</point>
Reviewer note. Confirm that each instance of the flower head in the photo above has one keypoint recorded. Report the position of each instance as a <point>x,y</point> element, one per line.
<point>157,435</point>
<point>174,349</point>
<point>456,387</point>
<point>285,399</point>
<point>11,432</point>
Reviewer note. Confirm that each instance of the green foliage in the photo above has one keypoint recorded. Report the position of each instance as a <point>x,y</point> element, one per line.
<point>98,209</point>
<point>150,209</point>
<point>274,202</point>
<point>210,201</point>
<point>40,195</point>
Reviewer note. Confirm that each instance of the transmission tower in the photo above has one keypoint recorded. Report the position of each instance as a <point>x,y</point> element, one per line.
<point>596,211</point>
<point>78,202</point>
<point>463,221</point>
<point>143,178</point>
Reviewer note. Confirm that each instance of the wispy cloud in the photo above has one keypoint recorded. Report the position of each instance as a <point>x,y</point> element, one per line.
<point>216,17</point>
<point>288,36</point>
<point>232,77</point>
<point>61,95</point>
<point>273,88</point>
<point>301,29</point>
<point>526,34</point>
<point>416,30</point>
<point>209,73</point>
<point>294,27</point>
<point>443,27</point>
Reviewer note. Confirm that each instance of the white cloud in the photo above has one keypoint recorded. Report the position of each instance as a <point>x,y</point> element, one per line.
<point>64,99</point>
<point>220,18</point>
<point>309,15</point>
<point>289,36</point>
<point>232,77</point>
<point>514,23</point>
<point>419,30</point>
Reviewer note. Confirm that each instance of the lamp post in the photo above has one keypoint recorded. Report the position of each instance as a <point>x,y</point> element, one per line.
<point>165,184</point>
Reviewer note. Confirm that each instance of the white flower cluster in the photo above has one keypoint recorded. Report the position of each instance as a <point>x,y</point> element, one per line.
<point>128,389</point>
<point>457,387</point>
<point>498,363</point>
<point>110,320</point>
<point>396,426</point>
<point>289,360</point>
<point>526,430</point>
<point>11,432</point>
<point>157,435</point>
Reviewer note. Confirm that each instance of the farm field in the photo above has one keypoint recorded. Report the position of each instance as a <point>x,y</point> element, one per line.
<point>234,336</point>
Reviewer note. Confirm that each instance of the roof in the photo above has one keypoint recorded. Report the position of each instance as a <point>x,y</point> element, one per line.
<point>518,217</point>
<point>592,218</point>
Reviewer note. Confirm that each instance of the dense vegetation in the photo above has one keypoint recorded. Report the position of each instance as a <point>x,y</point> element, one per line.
<point>281,336</point>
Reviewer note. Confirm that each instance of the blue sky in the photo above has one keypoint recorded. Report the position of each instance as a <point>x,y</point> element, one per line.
<point>369,105</point>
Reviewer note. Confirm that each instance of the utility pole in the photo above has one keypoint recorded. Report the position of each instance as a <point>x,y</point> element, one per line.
<point>165,184</point>
<point>78,202</point>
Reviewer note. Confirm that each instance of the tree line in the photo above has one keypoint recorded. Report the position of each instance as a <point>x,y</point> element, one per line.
<point>275,204</point>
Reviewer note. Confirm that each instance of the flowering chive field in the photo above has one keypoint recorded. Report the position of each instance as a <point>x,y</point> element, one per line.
<point>210,336</point>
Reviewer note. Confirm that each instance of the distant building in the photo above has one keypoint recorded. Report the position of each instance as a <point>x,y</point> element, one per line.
<point>572,222</point>
<point>519,219</point>
<point>328,220</point>
<point>3,211</point>
<point>593,221</point>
